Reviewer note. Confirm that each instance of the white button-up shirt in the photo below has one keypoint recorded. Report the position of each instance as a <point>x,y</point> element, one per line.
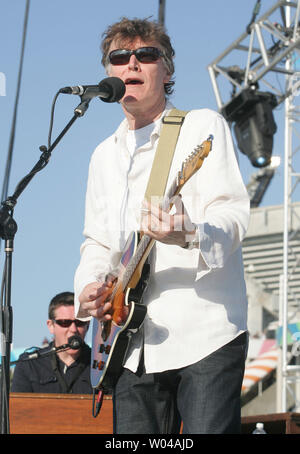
<point>196,299</point>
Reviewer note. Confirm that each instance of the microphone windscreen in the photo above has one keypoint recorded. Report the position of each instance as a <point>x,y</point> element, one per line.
<point>114,86</point>
<point>75,342</point>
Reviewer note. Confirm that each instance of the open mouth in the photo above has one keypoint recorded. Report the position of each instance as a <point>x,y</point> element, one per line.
<point>133,82</point>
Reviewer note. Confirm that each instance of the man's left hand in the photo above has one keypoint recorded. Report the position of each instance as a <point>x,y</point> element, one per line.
<point>167,228</point>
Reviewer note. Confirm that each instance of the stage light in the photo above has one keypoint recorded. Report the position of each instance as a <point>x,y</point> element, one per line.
<point>260,181</point>
<point>254,128</point>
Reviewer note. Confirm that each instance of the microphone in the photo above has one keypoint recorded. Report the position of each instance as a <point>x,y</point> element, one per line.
<point>74,343</point>
<point>111,89</point>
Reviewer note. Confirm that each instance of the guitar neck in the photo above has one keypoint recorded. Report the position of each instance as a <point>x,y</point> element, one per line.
<point>189,167</point>
<point>142,251</point>
<point>145,245</point>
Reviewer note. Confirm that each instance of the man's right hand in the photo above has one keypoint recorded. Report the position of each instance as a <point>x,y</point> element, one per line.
<point>93,300</point>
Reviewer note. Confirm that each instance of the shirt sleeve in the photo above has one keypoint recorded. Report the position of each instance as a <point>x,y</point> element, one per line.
<point>225,206</point>
<point>95,250</point>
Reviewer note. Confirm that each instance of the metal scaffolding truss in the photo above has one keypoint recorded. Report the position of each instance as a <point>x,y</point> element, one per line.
<point>249,61</point>
<point>267,55</point>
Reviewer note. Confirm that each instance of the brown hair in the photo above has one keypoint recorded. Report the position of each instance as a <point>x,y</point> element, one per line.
<point>62,299</point>
<point>127,30</point>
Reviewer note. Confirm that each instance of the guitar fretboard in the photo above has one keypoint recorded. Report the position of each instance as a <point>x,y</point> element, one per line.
<point>145,241</point>
<point>135,260</point>
<point>166,205</point>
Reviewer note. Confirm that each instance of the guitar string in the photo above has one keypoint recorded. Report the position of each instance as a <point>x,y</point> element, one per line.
<point>173,190</point>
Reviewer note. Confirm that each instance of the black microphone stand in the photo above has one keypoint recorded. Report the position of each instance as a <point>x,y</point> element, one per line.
<point>8,229</point>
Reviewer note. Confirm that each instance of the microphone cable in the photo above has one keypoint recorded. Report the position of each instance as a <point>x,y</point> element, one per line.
<point>52,118</point>
<point>97,403</point>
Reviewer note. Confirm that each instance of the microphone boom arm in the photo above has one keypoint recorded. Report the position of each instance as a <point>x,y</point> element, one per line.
<point>74,343</point>
<point>8,229</point>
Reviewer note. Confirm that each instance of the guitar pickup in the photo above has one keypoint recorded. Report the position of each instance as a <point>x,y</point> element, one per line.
<point>104,348</point>
<point>98,364</point>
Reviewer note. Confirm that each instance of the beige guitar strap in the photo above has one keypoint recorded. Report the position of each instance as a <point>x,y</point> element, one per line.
<point>164,153</point>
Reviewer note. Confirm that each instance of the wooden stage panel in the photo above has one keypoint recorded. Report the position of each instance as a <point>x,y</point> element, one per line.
<point>34,413</point>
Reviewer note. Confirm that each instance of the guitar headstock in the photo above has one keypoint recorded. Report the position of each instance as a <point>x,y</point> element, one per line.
<point>195,160</point>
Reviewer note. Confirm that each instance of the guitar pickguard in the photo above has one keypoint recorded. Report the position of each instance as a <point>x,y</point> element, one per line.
<point>111,338</point>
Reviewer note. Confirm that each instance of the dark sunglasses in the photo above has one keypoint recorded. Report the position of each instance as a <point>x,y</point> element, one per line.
<point>143,54</point>
<point>65,323</point>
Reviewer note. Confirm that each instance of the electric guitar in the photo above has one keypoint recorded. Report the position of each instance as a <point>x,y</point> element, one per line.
<point>111,338</point>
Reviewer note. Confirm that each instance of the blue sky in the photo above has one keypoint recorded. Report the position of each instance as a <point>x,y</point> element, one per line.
<point>62,48</point>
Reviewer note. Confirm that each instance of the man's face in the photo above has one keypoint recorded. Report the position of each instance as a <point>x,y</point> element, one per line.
<point>144,81</point>
<point>61,334</point>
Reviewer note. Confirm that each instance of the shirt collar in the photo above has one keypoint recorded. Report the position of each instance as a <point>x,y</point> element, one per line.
<point>123,127</point>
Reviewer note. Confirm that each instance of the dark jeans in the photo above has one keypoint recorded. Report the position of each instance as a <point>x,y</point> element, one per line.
<point>205,396</point>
